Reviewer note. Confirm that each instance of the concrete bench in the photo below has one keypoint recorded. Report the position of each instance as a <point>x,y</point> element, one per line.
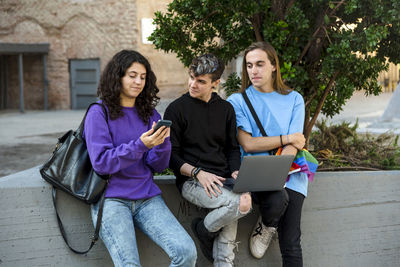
<point>349,219</point>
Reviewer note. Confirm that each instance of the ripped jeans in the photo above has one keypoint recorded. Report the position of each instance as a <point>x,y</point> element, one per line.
<point>224,217</point>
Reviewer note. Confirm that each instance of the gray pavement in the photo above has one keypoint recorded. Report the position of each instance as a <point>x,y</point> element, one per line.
<point>368,110</point>
<point>27,139</point>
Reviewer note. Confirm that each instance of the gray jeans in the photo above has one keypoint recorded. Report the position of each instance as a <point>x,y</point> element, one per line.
<point>223,217</point>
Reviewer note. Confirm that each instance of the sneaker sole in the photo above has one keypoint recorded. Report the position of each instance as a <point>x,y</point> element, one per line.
<point>251,235</point>
<point>252,254</point>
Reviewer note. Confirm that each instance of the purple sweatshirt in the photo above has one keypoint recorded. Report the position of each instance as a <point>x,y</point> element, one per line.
<point>116,149</point>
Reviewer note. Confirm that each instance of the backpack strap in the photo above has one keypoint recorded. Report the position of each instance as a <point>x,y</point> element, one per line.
<point>64,234</point>
<point>81,126</point>
<point>253,112</point>
<point>101,205</point>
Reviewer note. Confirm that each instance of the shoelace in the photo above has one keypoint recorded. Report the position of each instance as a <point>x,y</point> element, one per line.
<point>258,229</point>
<point>236,245</point>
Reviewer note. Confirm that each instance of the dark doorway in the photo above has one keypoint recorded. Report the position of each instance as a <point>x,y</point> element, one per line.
<point>84,78</point>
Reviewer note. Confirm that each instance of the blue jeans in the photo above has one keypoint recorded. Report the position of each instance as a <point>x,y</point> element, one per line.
<point>153,218</point>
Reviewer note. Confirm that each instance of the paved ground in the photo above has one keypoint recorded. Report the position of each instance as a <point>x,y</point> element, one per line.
<point>368,111</point>
<point>27,139</point>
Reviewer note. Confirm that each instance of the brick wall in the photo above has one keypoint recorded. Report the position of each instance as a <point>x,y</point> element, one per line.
<point>172,77</point>
<point>75,29</point>
<point>33,82</point>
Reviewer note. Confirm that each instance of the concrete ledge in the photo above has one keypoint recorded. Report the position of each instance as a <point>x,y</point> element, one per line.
<point>349,219</point>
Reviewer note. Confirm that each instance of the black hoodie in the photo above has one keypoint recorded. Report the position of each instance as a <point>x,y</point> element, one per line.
<point>203,135</point>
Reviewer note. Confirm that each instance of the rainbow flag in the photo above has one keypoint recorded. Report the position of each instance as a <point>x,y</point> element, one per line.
<point>303,162</point>
<point>307,163</point>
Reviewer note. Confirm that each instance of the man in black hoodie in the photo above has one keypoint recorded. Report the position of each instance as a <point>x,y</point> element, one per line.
<point>206,157</point>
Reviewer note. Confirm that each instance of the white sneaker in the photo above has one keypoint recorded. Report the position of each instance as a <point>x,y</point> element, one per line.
<point>260,239</point>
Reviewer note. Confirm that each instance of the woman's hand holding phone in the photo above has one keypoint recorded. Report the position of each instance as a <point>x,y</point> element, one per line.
<point>157,134</point>
<point>166,123</point>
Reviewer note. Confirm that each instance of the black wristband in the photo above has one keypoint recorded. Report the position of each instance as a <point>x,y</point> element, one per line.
<point>196,171</point>
<point>191,173</point>
<point>280,136</point>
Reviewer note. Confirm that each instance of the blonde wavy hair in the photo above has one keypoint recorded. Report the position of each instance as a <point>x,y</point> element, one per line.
<point>278,85</point>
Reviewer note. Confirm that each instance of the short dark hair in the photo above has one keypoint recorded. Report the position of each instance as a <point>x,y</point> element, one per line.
<point>110,85</point>
<point>207,64</point>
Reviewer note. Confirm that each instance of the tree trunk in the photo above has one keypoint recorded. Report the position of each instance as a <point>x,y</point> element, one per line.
<point>278,8</point>
<point>257,26</point>
<point>306,123</point>
<point>310,124</point>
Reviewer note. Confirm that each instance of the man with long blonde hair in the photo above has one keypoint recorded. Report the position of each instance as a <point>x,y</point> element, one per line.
<point>281,112</point>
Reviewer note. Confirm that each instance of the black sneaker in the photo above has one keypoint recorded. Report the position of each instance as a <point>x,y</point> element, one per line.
<point>205,238</point>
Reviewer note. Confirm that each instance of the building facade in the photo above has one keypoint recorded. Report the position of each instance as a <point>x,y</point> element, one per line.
<point>82,35</point>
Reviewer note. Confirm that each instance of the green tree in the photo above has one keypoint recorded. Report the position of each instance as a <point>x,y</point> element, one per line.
<point>328,49</point>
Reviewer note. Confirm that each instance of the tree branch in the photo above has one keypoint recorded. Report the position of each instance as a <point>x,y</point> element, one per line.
<point>328,88</point>
<point>288,6</point>
<point>327,34</point>
<point>336,7</point>
<point>256,22</point>
<point>278,8</point>
<point>308,45</point>
<point>306,122</point>
<point>309,99</point>
<point>205,18</point>
<point>321,25</point>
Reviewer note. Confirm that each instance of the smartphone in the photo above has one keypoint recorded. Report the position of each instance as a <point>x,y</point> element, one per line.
<point>160,123</point>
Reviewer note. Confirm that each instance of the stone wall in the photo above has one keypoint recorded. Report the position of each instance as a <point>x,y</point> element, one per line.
<point>349,219</point>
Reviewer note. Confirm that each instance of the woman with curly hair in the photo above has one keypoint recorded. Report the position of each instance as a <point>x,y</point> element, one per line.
<point>125,146</point>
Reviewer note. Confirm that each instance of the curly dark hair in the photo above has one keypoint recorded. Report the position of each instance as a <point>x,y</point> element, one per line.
<point>110,85</point>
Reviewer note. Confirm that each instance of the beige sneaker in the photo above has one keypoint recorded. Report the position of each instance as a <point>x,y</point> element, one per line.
<point>260,239</point>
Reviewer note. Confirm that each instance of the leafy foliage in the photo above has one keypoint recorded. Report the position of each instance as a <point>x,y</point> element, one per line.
<point>232,84</point>
<point>328,48</point>
<point>167,171</point>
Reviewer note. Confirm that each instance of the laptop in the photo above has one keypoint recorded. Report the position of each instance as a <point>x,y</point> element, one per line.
<point>263,173</point>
